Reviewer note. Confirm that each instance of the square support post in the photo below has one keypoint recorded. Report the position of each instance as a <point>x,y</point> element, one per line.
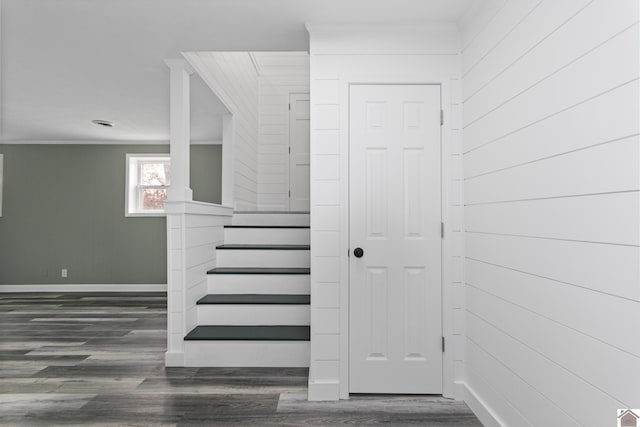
<point>180,138</point>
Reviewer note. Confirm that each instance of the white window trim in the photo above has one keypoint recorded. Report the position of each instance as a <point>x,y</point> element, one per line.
<point>134,162</point>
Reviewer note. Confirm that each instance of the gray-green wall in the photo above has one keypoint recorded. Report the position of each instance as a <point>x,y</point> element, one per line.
<point>63,207</point>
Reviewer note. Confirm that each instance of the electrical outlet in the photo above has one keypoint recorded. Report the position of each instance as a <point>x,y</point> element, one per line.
<point>63,272</point>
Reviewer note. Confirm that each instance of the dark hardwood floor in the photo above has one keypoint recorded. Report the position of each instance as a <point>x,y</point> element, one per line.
<point>97,359</point>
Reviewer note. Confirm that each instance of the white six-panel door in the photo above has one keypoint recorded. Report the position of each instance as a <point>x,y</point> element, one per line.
<point>299,158</point>
<point>395,286</point>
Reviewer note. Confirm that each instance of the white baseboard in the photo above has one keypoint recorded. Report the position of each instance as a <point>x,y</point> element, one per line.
<point>486,416</point>
<point>459,389</point>
<point>174,359</point>
<point>324,390</point>
<point>84,288</point>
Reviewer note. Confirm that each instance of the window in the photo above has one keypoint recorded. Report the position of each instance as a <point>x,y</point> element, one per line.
<point>148,178</point>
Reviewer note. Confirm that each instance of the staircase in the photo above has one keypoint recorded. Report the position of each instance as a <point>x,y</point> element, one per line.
<point>256,312</point>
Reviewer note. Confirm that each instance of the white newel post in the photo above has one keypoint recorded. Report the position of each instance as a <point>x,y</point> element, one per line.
<point>178,195</point>
<point>180,120</point>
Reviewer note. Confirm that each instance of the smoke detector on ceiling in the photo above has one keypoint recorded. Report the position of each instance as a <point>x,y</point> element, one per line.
<point>105,123</point>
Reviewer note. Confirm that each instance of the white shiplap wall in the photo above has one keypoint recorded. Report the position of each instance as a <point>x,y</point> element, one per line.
<point>340,56</point>
<point>194,229</point>
<point>281,74</point>
<point>552,211</point>
<point>234,80</point>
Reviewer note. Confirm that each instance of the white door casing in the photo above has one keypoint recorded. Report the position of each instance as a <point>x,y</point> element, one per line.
<point>395,304</point>
<point>299,152</point>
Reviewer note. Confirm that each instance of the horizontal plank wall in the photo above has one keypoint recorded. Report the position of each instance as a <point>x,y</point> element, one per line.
<point>194,230</point>
<point>63,207</point>
<point>281,74</point>
<point>234,80</point>
<point>552,211</point>
<point>341,56</point>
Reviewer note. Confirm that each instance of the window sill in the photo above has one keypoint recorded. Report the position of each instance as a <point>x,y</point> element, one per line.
<point>144,215</point>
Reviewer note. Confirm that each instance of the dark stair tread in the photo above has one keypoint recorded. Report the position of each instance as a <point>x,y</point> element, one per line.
<point>249,333</point>
<point>258,270</point>
<point>267,226</point>
<point>264,247</point>
<point>255,299</point>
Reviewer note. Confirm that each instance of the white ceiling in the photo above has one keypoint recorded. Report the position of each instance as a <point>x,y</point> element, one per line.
<point>66,62</point>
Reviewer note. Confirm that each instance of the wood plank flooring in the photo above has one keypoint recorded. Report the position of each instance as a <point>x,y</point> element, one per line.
<point>96,359</point>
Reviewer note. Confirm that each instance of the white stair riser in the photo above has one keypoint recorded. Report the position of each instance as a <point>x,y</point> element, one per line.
<point>270,219</point>
<point>247,353</point>
<point>272,236</point>
<point>253,314</point>
<point>262,258</point>
<point>258,284</point>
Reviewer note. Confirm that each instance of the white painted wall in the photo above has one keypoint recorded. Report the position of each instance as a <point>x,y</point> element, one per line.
<point>340,56</point>
<point>194,229</point>
<point>281,74</point>
<point>552,208</point>
<point>233,78</point>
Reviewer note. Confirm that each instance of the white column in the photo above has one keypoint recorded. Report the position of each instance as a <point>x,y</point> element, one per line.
<point>227,160</point>
<point>179,193</point>
<point>180,73</point>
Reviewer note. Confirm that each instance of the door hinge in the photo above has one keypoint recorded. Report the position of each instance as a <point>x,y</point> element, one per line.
<point>289,193</point>
<point>443,344</point>
<point>442,230</point>
<point>289,107</point>
<point>289,150</point>
<point>441,117</point>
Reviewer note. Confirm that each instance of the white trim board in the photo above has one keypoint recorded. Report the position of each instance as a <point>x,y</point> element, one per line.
<point>84,288</point>
<point>479,407</point>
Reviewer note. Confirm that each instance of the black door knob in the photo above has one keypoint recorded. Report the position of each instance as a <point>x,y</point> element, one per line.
<point>358,252</point>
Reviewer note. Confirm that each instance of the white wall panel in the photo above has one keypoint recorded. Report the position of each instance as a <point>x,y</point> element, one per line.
<point>570,218</point>
<point>326,91</point>
<point>579,127</point>
<point>564,346</point>
<point>327,142</point>
<point>476,19</point>
<point>611,269</point>
<point>568,391</point>
<point>622,61</point>
<point>523,398</point>
<point>326,295</point>
<point>542,22</point>
<point>193,236</point>
<point>552,210</point>
<point>233,78</point>
<point>508,18</point>
<point>353,41</point>
<point>340,56</point>
<point>571,41</point>
<point>611,167</point>
<point>502,413</point>
<point>281,74</point>
<point>618,328</point>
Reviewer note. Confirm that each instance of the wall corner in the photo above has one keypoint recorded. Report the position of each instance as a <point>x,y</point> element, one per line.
<point>323,390</point>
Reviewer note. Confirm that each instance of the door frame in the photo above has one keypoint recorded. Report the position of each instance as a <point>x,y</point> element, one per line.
<point>449,91</point>
<point>348,209</point>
